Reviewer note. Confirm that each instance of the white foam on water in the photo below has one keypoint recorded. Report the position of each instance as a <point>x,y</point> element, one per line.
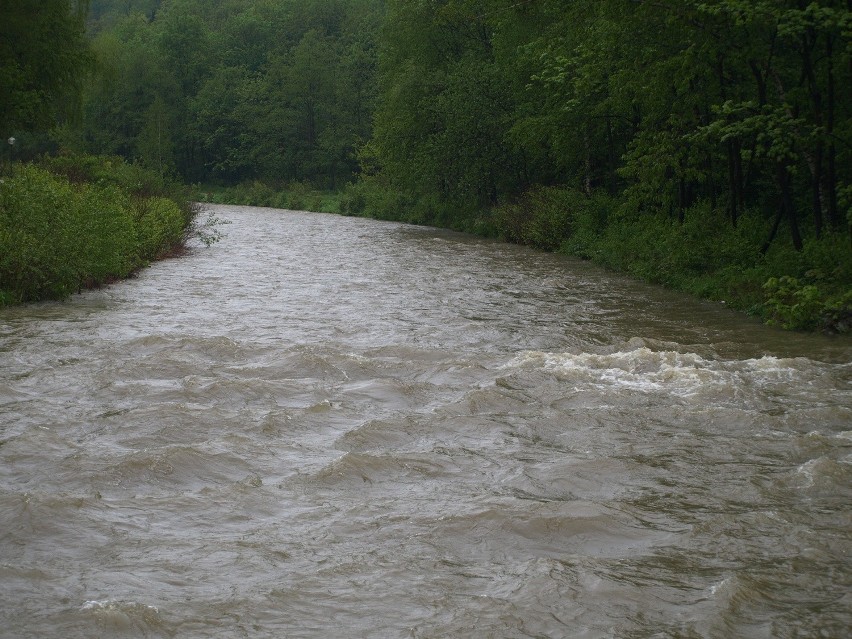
<point>806,470</point>
<point>720,587</point>
<point>123,616</point>
<point>641,369</point>
<point>115,605</point>
<point>685,374</point>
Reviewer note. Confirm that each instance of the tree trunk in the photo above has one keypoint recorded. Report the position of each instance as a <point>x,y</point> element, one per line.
<point>711,181</point>
<point>613,186</point>
<point>831,172</point>
<point>734,178</point>
<point>587,162</point>
<point>817,189</point>
<point>814,160</point>
<point>779,215</point>
<point>787,206</point>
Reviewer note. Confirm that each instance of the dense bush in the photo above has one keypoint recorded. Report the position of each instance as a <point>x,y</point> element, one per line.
<point>83,225</point>
<point>297,196</point>
<point>799,306</point>
<point>544,217</point>
<point>40,243</point>
<point>160,226</point>
<point>368,198</point>
<point>702,254</point>
<point>371,197</point>
<point>102,170</point>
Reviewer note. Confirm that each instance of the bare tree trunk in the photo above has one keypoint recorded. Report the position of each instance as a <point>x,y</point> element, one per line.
<point>734,180</point>
<point>587,163</point>
<point>785,209</point>
<point>788,206</point>
<point>611,157</point>
<point>831,173</point>
<point>815,160</point>
<point>773,231</point>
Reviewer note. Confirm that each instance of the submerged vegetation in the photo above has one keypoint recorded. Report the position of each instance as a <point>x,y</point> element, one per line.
<point>704,145</point>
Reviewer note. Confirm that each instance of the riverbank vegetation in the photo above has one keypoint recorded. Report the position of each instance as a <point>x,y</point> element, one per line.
<point>296,196</point>
<point>70,221</point>
<point>74,222</point>
<point>701,144</point>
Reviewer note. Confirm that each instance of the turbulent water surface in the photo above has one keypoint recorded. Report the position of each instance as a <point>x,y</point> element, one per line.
<point>334,427</point>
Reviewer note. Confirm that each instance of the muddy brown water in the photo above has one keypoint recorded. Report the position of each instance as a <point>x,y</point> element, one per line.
<point>334,427</point>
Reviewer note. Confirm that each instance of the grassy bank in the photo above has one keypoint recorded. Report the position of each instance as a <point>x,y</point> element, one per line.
<point>68,223</point>
<point>296,196</point>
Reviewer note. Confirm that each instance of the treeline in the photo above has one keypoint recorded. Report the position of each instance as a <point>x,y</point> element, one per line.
<point>740,104</point>
<point>231,91</point>
<point>455,106</point>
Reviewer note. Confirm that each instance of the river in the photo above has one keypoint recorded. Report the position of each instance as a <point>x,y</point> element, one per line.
<point>335,427</point>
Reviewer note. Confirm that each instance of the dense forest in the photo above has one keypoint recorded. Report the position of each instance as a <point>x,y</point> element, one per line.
<point>233,90</point>
<point>704,144</point>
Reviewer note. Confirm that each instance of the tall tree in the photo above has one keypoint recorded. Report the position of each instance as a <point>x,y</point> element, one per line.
<point>444,108</point>
<point>43,57</point>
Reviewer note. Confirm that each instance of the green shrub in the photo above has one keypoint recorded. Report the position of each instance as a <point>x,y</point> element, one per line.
<point>544,217</point>
<point>295,196</point>
<point>159,225</point>
<point>107,233</point>
<point>58,235</point>
<point>590,221</point>
<point>816,303</point>
<point>353,201</point>
<point>39,252</point>
<point>109,170</point>
<point>370,198</point>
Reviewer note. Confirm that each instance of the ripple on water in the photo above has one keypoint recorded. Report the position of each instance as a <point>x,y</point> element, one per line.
<point>327,423</point>
<point>124,617</point>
